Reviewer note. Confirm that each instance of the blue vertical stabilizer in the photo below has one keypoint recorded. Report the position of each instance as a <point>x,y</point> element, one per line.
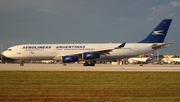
<point>159,33</point>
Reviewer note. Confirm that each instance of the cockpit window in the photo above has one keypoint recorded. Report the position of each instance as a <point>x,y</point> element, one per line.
<point>9,49</point>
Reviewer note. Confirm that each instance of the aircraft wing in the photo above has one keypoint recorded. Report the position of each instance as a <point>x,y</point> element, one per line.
<point>100,51</point>
<point>106,51</point>
<point>159,46</point>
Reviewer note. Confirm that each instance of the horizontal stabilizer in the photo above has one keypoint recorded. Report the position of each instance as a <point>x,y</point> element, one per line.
<point>159,46</point>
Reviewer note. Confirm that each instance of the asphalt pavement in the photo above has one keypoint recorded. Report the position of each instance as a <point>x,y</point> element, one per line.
<point>80,67</point>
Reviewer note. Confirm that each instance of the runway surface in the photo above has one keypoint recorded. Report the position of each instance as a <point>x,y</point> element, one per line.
<point>80,67</point>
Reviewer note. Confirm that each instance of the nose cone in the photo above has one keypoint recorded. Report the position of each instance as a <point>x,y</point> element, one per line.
<point>8,54</point>
<point>5,53</point>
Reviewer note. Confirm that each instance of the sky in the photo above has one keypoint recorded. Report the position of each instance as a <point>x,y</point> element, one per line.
<point>86,21</point>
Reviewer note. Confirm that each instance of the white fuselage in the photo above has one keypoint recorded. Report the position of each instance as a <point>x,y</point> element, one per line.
<point>135,60</point>
<point>169,60</point>
<point>55,51</point>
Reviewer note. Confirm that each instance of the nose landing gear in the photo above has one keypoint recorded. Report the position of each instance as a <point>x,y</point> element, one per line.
<point>21,63</point>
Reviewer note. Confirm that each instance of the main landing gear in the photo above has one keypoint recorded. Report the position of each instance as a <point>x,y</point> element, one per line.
<point>141,63</point>
<point>91,63</point>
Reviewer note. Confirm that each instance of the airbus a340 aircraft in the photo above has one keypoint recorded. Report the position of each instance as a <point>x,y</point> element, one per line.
<point>91,52</point>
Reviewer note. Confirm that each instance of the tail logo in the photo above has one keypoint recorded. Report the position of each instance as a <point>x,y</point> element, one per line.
<point>159,32</point>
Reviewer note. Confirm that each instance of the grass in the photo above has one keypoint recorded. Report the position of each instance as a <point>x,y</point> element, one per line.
<point>89,86</point>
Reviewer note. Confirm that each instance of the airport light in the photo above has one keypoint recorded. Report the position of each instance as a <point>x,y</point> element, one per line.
<point>158,56</point>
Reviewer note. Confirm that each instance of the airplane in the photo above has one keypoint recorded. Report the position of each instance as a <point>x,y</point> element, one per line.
<point>133,60</point>
<point>170,60</point>
<point>89,53</point>
<point>175,59</point>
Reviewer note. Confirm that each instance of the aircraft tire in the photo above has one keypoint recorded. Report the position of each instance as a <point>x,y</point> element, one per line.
<point>92,64</point>
<point>89,64</point>
<point>85,64</point>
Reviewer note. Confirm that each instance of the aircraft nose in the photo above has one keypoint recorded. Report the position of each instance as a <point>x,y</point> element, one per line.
<point>5,53</point>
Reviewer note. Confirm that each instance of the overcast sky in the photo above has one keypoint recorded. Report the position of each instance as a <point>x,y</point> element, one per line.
<point>86,21</point>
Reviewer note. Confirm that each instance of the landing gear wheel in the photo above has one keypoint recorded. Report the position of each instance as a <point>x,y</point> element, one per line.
<point>89,64</point>
<point>92,64</point>
<point>21,63</point>
<point>86,64</point>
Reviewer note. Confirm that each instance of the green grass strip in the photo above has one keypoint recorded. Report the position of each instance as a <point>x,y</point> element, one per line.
<point>89,86</point>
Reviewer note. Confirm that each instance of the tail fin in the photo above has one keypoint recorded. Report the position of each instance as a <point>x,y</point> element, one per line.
<point>159,33</point>
<point>150,57</point>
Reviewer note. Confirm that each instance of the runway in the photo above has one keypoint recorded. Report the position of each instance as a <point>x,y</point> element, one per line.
<point>80,67</point>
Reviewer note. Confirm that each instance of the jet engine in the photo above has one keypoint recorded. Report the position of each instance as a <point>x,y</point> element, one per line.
<point>67,59</point>
<point>90,55</point>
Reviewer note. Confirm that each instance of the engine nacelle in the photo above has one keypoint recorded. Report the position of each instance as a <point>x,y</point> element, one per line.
<point>67,59</point>
<point>90,55</point>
